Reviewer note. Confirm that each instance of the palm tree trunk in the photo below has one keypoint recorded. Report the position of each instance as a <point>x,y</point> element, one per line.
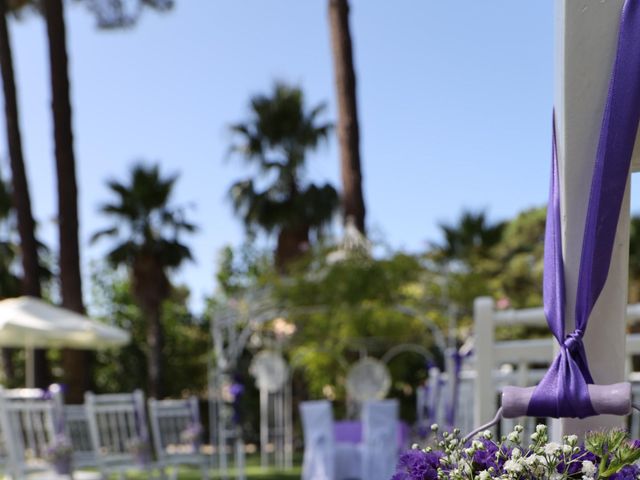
<point>151,287</point>
<point>293,242</point>
<point>76,364</point>
<point>348,129</point>
<point>155,344</point>
<point>21,198</point>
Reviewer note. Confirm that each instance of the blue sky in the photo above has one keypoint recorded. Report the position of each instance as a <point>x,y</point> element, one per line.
<point>454,99</point>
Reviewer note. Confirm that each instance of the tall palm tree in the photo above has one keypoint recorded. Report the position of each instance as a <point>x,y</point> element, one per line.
<point>276,138</point>
<point>348,128</point>
<point>76,362</point>
<point>470,239</point>
<point>148,229</point>
<point>20,189</point>
<point>110,13</point>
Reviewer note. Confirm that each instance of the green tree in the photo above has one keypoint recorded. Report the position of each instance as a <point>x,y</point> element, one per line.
<point>634,259</point>
<point>187,339</point>
<point>112,14</point>
<point>276,138</point>
<point>343,309</point>
<point>148,229</point>
<point>517,260</point>
<point>470,239</point>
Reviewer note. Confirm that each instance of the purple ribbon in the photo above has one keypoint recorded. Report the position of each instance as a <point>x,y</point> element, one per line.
<point>563,390</point>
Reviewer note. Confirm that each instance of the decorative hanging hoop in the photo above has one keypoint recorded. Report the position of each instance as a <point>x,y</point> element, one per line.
<point>270,371</point>
<point>368,379</point>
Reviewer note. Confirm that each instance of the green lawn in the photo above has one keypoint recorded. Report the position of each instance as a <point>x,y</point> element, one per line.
<point>253,471</point>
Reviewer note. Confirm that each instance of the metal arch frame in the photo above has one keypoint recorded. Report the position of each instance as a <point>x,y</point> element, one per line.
<point>231,328</point>
<point>396,350</point>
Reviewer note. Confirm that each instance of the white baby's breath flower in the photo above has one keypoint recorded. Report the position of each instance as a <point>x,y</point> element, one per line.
<point>516,453</point>
<point>478,445</point>
<point>540,429</point>
<point>567,449</point>
<point>513,437</point>
<point>588,468</point>
<point>513,466</point>
<point>464,467</point>
<point>484,475</point>
<point>572,439</point>
<point>552,448</point>
<point>487,434</point>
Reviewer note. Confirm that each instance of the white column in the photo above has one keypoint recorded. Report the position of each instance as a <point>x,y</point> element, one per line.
<point>485,394</point>
<point>586,39</point>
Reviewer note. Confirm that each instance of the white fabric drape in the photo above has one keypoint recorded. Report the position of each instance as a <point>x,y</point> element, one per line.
<point>319,445</point>
<point>380,439</point>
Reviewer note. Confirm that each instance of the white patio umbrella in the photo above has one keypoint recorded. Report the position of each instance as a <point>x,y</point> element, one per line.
<point>29,322</point>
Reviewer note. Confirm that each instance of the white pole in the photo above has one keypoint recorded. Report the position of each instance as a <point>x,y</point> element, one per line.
<point>485,404</point>
<point>586,39</point>
<point>264,428</point>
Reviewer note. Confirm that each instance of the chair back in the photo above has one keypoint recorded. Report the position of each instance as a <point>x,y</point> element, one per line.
<point>118,429</point>
<point>30,421</point>
<point>175,427</point>
<point>319,444</point>
<point>380,439</point>
<point>77,427</point>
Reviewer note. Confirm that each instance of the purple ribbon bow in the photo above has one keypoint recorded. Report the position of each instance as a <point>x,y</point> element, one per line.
<point>563,390</point>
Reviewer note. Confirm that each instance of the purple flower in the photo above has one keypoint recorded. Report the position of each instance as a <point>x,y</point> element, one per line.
<point>486,458</point>
<point>418,465</point>
<point>236,389</point>
<point>575,468</point>
<point>629,472</point>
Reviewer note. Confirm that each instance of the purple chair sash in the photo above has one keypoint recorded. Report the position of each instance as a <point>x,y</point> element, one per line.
<point>563,390</point>
<point>350,431</point>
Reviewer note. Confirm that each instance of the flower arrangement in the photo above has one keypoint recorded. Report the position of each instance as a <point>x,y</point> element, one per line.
<point>192,434</point>
<point>58,453</point>
<point>604,455</point>
<point>139,448</point>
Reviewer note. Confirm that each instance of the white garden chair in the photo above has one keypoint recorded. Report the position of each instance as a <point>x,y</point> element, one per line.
<point>177,434</point>
<point>77,428</point>
<point>32,421</point>
<point>380,439</point>
<point>318,461</point>
<point>119,432</point>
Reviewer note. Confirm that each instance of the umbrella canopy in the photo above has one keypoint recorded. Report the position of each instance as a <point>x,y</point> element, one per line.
<point>29,322</point>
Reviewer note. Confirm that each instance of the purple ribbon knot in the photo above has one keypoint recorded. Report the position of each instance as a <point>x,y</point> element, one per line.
<point>573,341</point>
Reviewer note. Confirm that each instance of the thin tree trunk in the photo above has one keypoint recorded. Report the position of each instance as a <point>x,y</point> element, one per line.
<point>155,344</point>
<point>151,287</point>
<point>76,363</point>
<point>348,130</point>
<point>21,198</point>
<point>292,244</point>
